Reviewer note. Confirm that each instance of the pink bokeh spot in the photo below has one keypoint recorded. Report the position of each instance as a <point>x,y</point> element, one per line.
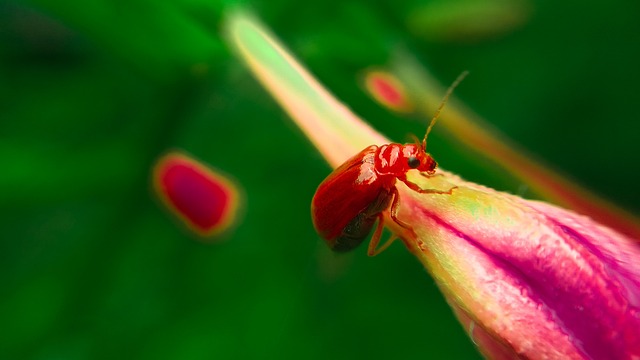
<point>387,90</point>
<point>204,200</point>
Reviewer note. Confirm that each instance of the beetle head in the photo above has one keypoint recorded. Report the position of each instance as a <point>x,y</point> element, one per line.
<point>417,158</point>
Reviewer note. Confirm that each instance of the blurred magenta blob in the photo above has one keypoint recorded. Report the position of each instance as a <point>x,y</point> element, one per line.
<point>387,90</point>
<point>206,201</point>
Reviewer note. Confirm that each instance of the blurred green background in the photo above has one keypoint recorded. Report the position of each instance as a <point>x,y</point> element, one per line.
<point>91,92</point>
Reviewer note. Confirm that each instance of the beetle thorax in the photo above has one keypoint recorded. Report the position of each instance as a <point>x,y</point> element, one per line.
<point>394,159</point>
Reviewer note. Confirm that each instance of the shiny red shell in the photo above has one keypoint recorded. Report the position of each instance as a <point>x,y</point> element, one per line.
<point>348,202</point>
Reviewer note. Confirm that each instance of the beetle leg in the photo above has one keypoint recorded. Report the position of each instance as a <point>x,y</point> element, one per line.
<point>394,210</point>
<point>375,240</point>
<point>374,252</point>
<point>417,188</point>
<point>428,176</point>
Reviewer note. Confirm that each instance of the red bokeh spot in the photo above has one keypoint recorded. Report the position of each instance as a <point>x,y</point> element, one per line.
<point>387,90</point>
<point>206,201</point>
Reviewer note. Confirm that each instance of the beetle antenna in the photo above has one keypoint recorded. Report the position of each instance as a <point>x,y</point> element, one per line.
<point>415,139</point>
<point>442,103</point>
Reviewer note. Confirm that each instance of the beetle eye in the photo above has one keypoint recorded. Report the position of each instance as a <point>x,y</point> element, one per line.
<point>413,162</point>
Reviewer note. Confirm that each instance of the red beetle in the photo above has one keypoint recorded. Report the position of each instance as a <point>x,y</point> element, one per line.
<point>348,202</point>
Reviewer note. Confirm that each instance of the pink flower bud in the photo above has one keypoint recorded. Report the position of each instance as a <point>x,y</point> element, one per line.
<point>541,281</point>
